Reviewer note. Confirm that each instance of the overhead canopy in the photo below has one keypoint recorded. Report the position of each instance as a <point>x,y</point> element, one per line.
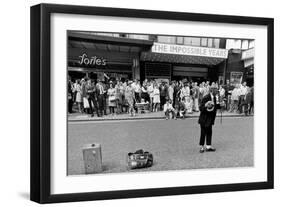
<point>174,58</point>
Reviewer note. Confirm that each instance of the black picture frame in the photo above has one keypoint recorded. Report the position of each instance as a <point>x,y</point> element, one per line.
<point>40,102</point>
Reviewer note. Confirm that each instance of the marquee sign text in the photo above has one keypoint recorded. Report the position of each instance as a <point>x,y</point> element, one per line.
<point>189,50</point>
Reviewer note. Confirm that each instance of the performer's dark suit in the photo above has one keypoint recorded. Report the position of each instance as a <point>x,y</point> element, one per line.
<point>207,119</point>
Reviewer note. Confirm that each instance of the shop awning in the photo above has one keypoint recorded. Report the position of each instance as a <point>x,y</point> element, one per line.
<point>173,58</point>
<point>162,52</point>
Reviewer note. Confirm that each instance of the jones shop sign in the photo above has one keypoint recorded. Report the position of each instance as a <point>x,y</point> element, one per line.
<point>93,60</point>
<point>189,50</point>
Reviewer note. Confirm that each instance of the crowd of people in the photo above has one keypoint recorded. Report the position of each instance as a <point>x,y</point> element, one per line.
<point>179,98</point>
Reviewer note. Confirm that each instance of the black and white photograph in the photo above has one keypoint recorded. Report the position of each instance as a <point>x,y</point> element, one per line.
<point>157,102</point>
<point>129,103</point>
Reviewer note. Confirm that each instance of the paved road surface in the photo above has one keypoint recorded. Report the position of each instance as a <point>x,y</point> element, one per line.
<point>174,143</point>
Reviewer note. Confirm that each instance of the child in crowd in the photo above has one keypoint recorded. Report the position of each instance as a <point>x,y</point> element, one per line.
<point>168,109</point>
<point>188,104</point>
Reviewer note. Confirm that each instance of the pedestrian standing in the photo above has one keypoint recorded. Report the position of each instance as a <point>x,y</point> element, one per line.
<point>222,98</point>
<point>248,101</point>
<point>144,92</point>
<point>171,92</point>
<point>228,90</point>
<point>208,109</point>
<point>185,91</point>
<point>69,95</point>
<point>156,98</point>
<point>243,92</point>
<point>100,96</point>
<point>235,99</point>
<point>79,96</point>
<point>111,92</point>
<point>130,98</point>
<point>92,97</point>
<point>118,97</point>
<point>137,87</point>
<point>196,97</point>
<point>163,94</point>
<point>150,90</point>
<point>176,94</point>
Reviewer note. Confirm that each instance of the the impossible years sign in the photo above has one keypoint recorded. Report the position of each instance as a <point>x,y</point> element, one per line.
<point>189,50</point>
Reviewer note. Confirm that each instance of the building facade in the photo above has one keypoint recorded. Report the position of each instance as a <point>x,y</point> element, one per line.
<point>133,56</point>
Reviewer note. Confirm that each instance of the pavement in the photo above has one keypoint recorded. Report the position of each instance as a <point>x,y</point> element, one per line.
<point>174,143</point>
<point>152,115</point>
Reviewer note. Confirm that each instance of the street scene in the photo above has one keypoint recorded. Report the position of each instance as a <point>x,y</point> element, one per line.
<point>173,143</point>
<point>146,102</point>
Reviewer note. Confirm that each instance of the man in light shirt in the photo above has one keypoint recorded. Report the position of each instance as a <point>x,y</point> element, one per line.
<point>243,92</point>
<point>137,87</point>
<point>235,98</point>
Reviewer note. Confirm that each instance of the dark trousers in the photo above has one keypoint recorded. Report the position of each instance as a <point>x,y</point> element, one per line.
<point>101,103</point>
<point>241,104</point>
<point>138,97</point>
<point>162,101</point>
<point>70,104</point>
<point>206,134</point>
<point>93,108</point>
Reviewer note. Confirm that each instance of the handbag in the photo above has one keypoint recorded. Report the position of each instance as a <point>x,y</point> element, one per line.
<point>139,159</point>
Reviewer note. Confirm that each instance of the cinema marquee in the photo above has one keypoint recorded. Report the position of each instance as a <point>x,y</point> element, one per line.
<point>189,50</point>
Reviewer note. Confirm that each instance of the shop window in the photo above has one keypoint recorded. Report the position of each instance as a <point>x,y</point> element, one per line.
<point>245,44</point>
<point>167,39</point>
<point>180,40</point>
<point>204,42</point>
<point>187,40</point>
<point>210,42</point>
<point>251,44</point>
<point>107,34</point>
<point>140,37</point>
<point>229,43</point>
<point>233,44</point>
<point>237,44</point>
<point>195,41</point>
<point>216,43</point>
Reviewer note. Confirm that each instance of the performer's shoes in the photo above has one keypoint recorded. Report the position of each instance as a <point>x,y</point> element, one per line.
<point>211,149</point>
<point>202,149</point>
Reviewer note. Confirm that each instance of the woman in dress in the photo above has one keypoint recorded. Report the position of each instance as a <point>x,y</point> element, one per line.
<point>79,96</point>
<point>130,98</point>
<point>156,98</point>
<point>118,97</point>
<point>111,92</point>
<point>150,90</point>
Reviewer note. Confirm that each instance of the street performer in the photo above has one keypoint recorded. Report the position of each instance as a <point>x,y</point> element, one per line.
<point>208,110</point>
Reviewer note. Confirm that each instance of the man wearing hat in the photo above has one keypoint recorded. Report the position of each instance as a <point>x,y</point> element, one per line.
<point>208,110</point>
